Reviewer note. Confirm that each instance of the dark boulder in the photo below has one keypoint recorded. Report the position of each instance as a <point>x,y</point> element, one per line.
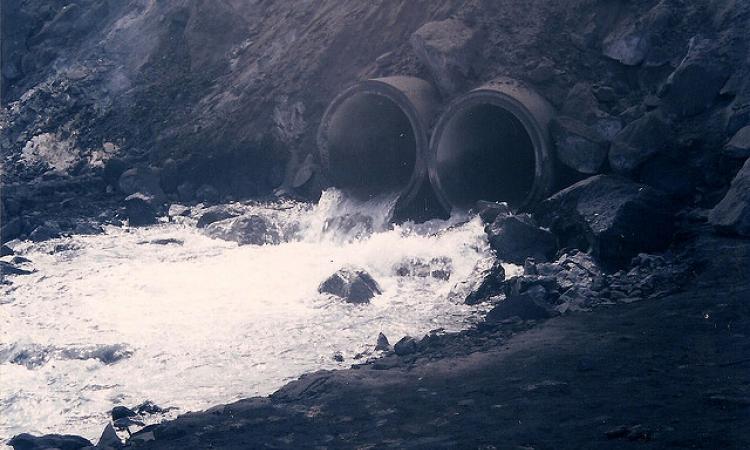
<point>6,251</point>
<point>186,192</point>
<point>139,210</point>
<point>26,441</point>
<point>11,229</point>
<point>515,238</point>
<point>45,231</point>
<point>448,49</point>
<point>696,82</point>
<point>382,345</point>
<point>529,305</point>
<point>351,284</point>
<point>405,346</point>
<point>144,180</point>
<point>732,214</point>
<point>215,214</point>
<point>7,268</point>
<point>109,439</point>
<point>489,211</point>
<point>578,146</point>
<point>492,283</point>
<point>250,229</point>
<point>118,412</point>
<point>113,169</point>
<point>610,216</point>
<point>639,141</point>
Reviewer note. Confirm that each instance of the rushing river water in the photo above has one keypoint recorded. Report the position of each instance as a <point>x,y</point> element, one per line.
<point>116,319</point>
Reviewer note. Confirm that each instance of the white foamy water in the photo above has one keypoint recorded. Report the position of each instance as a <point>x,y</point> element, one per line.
<point>116,320</point>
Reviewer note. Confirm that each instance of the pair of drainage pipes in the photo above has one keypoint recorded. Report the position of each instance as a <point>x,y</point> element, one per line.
<point>492,143</point>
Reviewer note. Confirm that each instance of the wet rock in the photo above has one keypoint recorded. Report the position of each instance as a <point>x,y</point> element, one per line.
<point>11,229</point>
<point>176,210</point>
<point>165,241</point>
<point>215,214</point>
<point>85,228</point>
<point>739,145</point>
<point>124,423</point>
<point>448,49</point>
<point>144,180</point>
<point>139,210</point>
<point>638,141</point>
<point>351,284</point>
<point>338,357</point>
<point>6,251</point>
<point>610,216</point>
<point>207,194</point>
<point>149,407</point>
<point>489,211</point>
<point>7,268</point>
<point>250,229</point>
<point>515,238</point>
<point>492,283</point>
<point>530,305</point>
<point>25,441</point>
<point>405,346</point>
<point>696,82</point>
<point>578,146</point>
<point>109,439</point>
<point>46,231</point>
<point>382,345</point>
<point>732,214</point>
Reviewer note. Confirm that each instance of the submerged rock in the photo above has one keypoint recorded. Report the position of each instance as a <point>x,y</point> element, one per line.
<point>25,441</point>
<point>351,284</point>
<point>611,216</point>
<point>250,229</point>
<point>732,214</point>
<point>515,238</point>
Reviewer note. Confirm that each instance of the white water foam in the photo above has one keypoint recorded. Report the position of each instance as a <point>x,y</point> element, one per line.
<point>118,320</point>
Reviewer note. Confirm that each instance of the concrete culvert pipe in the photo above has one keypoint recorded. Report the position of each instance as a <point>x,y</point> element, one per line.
<point>493,144</point>
<point>373,137</point>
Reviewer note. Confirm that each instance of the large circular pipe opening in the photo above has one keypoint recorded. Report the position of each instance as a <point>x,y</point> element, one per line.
<point>492,144</point>
<point>372,138</point>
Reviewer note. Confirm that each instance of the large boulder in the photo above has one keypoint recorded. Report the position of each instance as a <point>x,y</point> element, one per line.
<point>215,214</point>
<point>696,82</point>
<point>352,284</point>
<point>639,141</point>
<point>141,179</point>
<point>611,216</point>
<point>529,305</point>
<point>578,146</point>
<point>139,210</point>
<point>732,214</point>
<point>492,283</point>
<point>636,39</point>
<point>25,441</point>
<point>515,238</point>
<point>248,229</point>
<point>448,49</point>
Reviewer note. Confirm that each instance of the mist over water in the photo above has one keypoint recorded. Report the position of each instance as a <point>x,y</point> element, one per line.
<point>115,319</point>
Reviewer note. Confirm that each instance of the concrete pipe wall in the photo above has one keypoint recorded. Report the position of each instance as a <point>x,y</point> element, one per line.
<point>373,137</point>
<point>493,144</point>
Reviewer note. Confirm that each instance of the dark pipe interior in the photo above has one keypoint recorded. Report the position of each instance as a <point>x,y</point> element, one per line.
<point>485,153</point>
<point>371,146</point>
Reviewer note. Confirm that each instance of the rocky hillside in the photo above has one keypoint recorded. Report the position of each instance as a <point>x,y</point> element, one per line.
<point>229,93</point>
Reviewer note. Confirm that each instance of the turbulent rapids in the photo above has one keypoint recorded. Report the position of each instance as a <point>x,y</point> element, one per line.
<point>170,315</point>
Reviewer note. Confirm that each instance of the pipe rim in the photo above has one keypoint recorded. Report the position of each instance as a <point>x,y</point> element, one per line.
<point>383,89</point>
<point>537,132</point>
